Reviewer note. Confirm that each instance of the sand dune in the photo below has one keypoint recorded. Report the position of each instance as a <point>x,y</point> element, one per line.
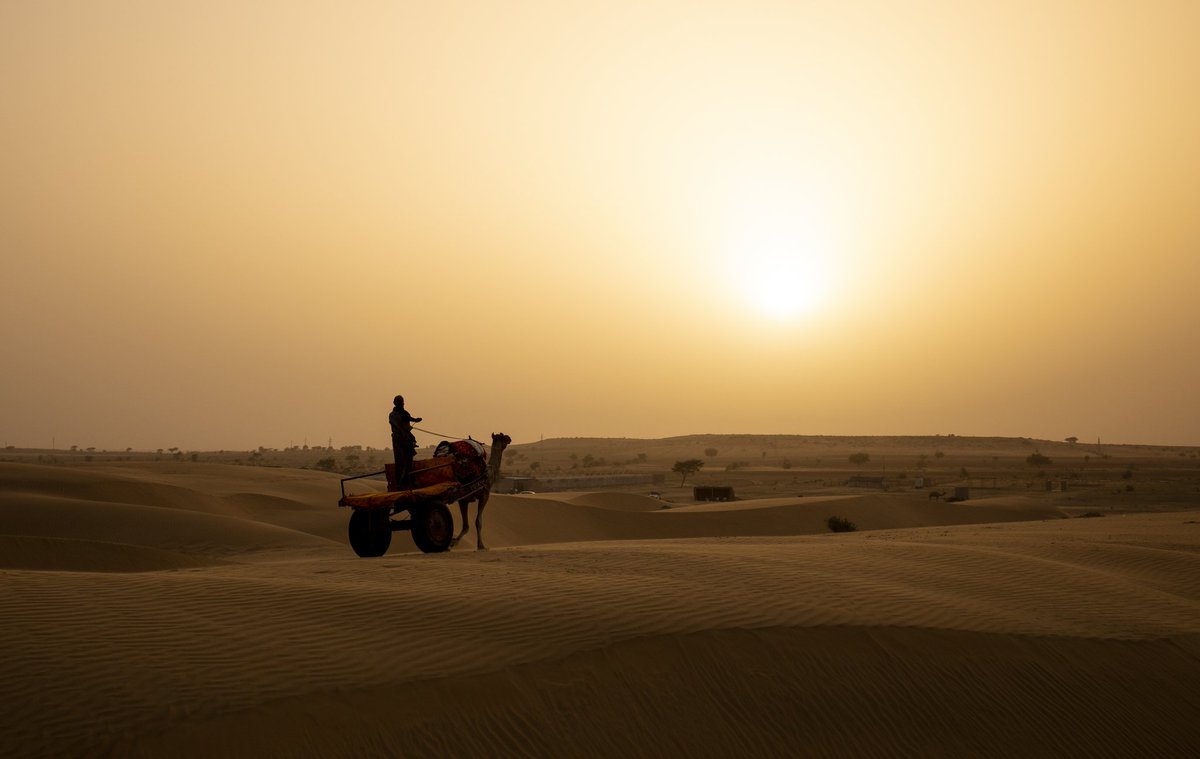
<point>139,620</point>
<point>524,520</point>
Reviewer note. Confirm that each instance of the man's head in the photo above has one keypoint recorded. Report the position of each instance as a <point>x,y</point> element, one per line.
<point>398,400</point>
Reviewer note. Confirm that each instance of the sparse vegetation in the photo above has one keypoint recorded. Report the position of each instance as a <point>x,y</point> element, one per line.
<point>838,524</point>
<point>710,452</point>
<point>859,458</point>
<point>1037,459</point>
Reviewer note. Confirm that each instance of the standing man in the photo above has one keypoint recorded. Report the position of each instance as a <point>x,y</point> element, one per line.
<point>404,445</point>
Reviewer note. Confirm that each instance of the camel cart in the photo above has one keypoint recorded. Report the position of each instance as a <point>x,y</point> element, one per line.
<point>419,503</point>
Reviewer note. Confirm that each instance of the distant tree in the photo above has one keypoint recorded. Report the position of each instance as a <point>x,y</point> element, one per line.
<point>938,454</point>
<point>684,468</point>
<point>328,464</point>
<point>859,458</point>
<point>1037,459</point>
<point>710,452</point>
<point>1072,440</point>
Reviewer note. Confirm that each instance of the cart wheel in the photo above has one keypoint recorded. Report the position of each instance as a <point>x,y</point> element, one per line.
<point>433,528</point>
<point>370,532</point>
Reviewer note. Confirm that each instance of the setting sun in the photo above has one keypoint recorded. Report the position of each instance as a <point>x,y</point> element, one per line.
<point>784,284</point>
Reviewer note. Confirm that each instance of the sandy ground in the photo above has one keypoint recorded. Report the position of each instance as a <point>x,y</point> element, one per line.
<point>210,610</point>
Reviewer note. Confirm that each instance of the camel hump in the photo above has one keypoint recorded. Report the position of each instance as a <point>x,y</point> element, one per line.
<point>470,458</point>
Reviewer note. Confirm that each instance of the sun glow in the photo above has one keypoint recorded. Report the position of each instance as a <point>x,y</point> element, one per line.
<point>786,276</point>
<point>782,237</point>
<point>781,287</point>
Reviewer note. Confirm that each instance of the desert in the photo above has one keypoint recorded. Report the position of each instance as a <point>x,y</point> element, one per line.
<point>191,608</point>
<point>599,379</point>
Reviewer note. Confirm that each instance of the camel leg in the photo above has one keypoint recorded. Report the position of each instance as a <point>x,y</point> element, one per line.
<point>479,546</point>
<point>466,526</point>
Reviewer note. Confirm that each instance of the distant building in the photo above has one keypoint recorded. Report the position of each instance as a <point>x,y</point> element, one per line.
<point>712,493</point>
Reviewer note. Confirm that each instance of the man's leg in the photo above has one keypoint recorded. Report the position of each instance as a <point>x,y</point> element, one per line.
<point>402,458</point>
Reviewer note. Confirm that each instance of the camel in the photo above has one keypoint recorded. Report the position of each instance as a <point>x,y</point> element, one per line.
<point>500,441</point>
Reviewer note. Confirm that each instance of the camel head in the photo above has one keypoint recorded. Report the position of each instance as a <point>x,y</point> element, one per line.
<point>500,441</point>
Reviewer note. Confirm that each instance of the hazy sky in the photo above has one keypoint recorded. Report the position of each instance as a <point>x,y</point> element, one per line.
<point>232,224</point>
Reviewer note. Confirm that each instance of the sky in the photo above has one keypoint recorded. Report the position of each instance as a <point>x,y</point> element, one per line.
<point>226,225</point>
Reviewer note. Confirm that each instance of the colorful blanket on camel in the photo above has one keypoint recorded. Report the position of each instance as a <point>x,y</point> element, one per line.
<point>470,458</point>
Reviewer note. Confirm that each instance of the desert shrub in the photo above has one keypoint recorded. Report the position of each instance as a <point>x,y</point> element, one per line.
<point>859,458</point>
<point>1090,515</point>
<point>837,524</point>
<point>710,452</point>
<point>328,464</point>
<point>1037,459</point>
<point>1127,474</point>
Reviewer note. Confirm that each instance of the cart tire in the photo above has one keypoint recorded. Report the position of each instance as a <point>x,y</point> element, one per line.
<point>432,528</point>
<point>370,532</point>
